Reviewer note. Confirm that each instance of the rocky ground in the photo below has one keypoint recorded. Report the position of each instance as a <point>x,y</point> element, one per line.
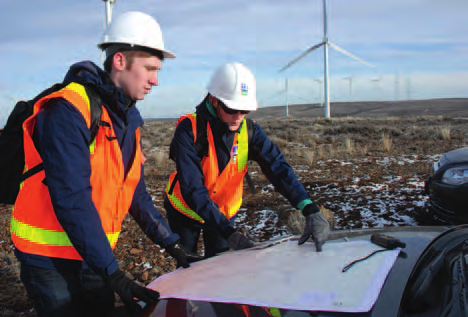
<point>367,172</point>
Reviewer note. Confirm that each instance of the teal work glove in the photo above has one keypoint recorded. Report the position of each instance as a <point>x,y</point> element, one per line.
<point>316,226</point>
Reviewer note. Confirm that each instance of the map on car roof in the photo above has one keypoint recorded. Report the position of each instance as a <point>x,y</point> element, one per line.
<point>286,276</point>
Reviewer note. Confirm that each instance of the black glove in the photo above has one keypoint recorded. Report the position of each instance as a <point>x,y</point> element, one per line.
<point>130,292</point>
<point>316,226</point>
<point>237,240</point>
<point>182,255</point>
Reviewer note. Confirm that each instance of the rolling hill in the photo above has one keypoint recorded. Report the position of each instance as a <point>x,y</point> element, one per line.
<point>453,107</point>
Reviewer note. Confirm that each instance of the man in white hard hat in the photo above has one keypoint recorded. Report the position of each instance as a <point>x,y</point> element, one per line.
<point>68,216</point>
<point>211,149</point>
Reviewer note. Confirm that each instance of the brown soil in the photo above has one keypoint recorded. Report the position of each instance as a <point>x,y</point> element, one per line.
<point>316,148</point>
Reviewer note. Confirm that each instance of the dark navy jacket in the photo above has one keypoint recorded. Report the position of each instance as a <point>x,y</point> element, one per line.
<point>63,138</point>
<point>261,149</point>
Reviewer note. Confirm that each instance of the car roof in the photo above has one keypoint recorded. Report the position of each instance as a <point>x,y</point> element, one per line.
<point>458,155</point>
<point>416,238</point>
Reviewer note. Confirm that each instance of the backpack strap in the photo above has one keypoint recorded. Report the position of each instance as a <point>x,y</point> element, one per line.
<point>95,101</point>
<point>48,91</point>
<point>201,140</point>
<point>36,169</point>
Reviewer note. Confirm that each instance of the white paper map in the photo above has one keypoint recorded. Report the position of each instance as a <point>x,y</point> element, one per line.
<point>286,276</point>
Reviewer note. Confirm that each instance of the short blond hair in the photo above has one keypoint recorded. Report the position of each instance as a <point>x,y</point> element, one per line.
<point>130,55</point>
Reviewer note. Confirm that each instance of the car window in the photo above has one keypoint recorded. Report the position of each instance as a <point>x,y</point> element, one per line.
<point>437,286</point>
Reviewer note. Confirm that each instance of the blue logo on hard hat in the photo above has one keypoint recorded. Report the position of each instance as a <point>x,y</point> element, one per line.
<point>244,90</point>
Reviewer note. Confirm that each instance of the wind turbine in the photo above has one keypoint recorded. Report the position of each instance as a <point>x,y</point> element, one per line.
<point>397,86</point>
<point>350,79</point>
<point>287,97</point>
<point>107,19</point>
<point>408,88</point>
<point>109,6</point>
<point>377,82</point>
<point>325,43</point>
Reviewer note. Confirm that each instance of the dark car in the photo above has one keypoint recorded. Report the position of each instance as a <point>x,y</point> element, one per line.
<point>428,278</point>
<point>447,187</point>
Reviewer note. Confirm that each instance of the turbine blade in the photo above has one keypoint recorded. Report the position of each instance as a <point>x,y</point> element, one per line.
<point>312,48</point>
<point>343,51</point>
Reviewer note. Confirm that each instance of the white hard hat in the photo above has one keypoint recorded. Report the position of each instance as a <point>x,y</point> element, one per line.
<point>135,28</point>
<point>234,84</point>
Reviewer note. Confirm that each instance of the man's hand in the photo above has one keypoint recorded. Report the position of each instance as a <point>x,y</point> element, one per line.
<point>316,226</point>
<point>239,241</point>
<point>182,255</point>
<point>130,292</point>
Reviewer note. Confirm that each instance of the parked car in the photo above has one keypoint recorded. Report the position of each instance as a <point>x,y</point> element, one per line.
<point>427,279</point>
<point>447,187</point>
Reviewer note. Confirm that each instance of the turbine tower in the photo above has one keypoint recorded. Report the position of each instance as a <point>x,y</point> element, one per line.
<point>350,79</point>
<point>107,19</point>
<point>109,7</point>
<point>287,97</point>
<point>325,43</point>
<point>377,83</point>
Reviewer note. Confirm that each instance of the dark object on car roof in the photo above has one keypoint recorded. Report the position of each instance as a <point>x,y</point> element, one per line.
<point>382,240</point>
<point>387,242</point>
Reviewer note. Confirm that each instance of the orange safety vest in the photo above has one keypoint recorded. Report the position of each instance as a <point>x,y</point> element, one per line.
<point>224,189</point>
<point>34,225</point>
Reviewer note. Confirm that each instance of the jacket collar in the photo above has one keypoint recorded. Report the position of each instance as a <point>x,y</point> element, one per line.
<point>88,73</point>
<point>208,112</point>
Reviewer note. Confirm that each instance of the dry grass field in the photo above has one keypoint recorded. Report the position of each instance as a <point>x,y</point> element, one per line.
<point>366,170</point>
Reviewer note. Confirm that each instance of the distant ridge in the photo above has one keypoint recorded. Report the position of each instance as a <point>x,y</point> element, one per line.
<point>449,107</point>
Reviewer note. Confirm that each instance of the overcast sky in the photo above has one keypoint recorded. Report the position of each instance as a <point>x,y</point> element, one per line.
<point>419,47</point>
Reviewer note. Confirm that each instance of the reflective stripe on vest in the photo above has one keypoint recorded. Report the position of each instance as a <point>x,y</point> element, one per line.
<point>180,204</point>
<point>34,226</point>
<point>42,236</point>
<point>224,189</point>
